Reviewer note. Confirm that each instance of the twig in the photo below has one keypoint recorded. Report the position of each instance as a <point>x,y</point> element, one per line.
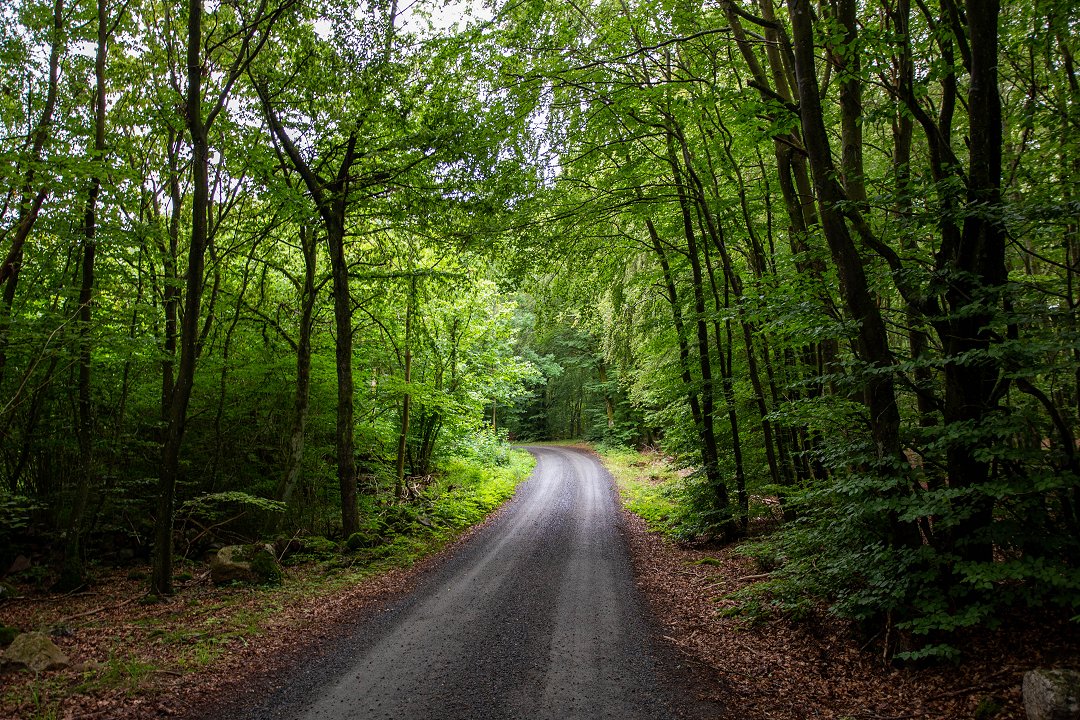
<point>762,576</point>
<point>95,611</point>
<point>169,672</point>
<point>288,544</point>
<point>986,684</point>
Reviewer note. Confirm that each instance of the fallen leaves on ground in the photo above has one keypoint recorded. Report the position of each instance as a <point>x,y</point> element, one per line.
<point>769,667</point>
<point>185,656</point>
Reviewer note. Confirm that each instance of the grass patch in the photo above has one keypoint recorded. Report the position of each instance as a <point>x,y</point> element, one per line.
<point>647,485</point>
<point>124,673</point>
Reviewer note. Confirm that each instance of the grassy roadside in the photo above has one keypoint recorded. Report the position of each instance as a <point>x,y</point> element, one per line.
<point>645,483</point>
<point>129,658</point>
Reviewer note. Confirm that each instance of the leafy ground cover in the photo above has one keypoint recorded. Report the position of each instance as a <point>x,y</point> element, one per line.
<point>134,659</point>
<point>753,656</point>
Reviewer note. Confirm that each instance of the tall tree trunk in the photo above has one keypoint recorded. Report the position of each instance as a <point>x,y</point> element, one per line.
<point>879,394</point>
<point>343,350</point>
<point>709,451</point>
<point>171,290</point>
<point>406,401</point>
<point>302,395</point>
<point>977,268</point>
<point>849,66</point>
<point>73,572</point>
<point>33,198</point>
<point>220,451</point>
<point>609,405</point>
<point>680,325</point>
<point>331,198</point>
<point>161,581</point>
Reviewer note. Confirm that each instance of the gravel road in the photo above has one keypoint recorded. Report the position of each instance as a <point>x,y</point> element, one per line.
<point>536,616</point>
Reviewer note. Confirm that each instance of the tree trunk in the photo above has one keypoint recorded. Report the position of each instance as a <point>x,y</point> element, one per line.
<point>977,267</point>
<point>302,396</point>
<point>32,200</point>
<point>878,395</point>
<point>406,401</point>
<point>161,581</point>
<point>73,573</point>
<point>346,455</point>
<point>709,450</point>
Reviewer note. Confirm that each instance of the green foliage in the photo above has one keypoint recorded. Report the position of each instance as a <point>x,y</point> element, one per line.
<point>214,506</point>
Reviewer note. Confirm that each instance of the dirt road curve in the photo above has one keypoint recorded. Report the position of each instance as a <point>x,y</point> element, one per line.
<point>536,616</point>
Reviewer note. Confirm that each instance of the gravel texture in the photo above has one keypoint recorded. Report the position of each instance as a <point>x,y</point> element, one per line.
<point>536,616</point>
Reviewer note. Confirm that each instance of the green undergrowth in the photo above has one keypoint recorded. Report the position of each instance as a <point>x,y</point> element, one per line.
<point>649,487</point>
<point>462,495</point>
<point>205,621</point>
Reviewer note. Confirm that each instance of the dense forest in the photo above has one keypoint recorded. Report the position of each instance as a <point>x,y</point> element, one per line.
<point>289,257</point>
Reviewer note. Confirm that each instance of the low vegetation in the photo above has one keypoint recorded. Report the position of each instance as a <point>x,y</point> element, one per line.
<point>756,642</point>
<point>124,649</point>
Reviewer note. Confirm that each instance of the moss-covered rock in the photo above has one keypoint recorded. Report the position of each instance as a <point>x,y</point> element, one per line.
<point>36,651</point>
<point>265,566</point>
<point>1052,694</point>
<point>254,564</point>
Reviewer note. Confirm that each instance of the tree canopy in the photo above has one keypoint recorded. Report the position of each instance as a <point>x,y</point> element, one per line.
<point>309,250</point>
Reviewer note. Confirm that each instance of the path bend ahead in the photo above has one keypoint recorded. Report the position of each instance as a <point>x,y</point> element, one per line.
<point>536,616</point>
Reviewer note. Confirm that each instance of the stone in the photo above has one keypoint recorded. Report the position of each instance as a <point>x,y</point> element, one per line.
<point>245,563</point>
<point>36,651</point>
<point>1052,694</point>
<point>21,564</point>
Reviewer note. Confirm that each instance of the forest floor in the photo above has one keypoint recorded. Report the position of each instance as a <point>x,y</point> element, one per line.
<point>133,659</point>
<point>761,665</point>
<point>171,659</point>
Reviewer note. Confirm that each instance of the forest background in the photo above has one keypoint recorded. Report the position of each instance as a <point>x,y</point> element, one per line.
<point>288,261</point>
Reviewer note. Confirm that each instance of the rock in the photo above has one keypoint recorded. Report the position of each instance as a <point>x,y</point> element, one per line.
<point>245,563</point>
<point>21,564</point>
<point>1052,694</point>
<point>36,651</point>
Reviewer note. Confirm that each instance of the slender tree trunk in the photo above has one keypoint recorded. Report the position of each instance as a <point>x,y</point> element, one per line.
<point>406,401</point>
<point>680,325</point>
<point>171,289</point>
<point>73,573</point>
<point>849,66</point>
<point>220,451</point>
<point>879,394</point>
<point>161,581</point>
<point>302,397</point>
<point>346,453</point>
<point>33,198</point>
<point>710,451</point>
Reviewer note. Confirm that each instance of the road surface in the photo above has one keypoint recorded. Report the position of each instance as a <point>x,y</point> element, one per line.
<point>536,616</point>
